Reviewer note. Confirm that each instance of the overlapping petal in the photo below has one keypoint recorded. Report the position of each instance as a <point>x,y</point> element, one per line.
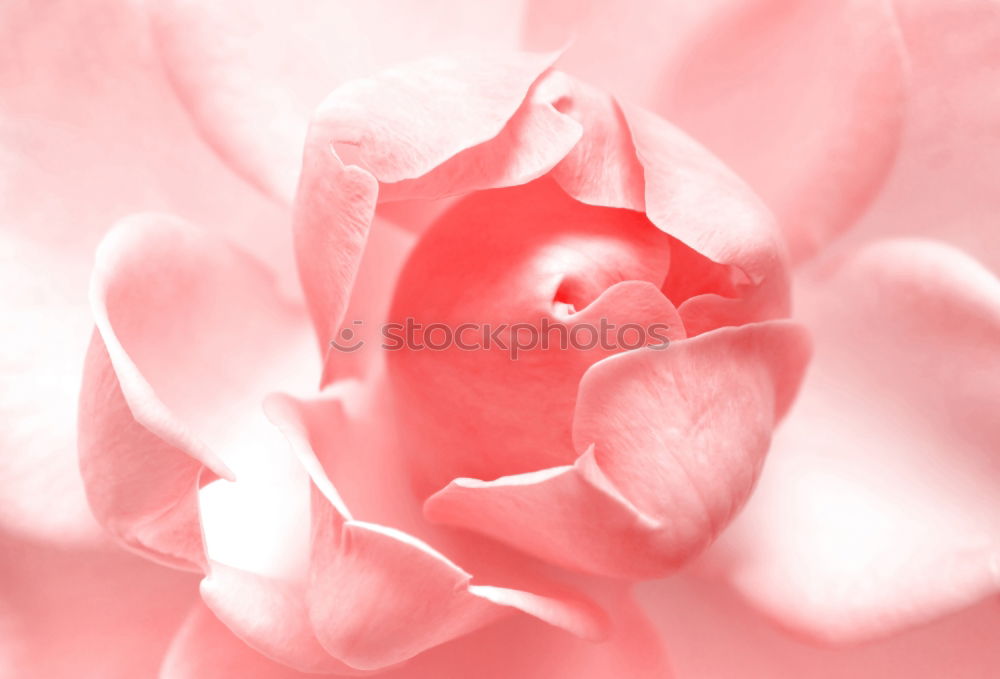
<point>89,132</point>
<point>671,442</point>
<point>251,73</point>
<point>805,100</point>
<point>354,564</point>
<point>878,507</point>
<point>174,307</point>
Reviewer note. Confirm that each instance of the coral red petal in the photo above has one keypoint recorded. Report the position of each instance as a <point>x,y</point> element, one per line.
<point>878,509</point>
<point>673,440</point>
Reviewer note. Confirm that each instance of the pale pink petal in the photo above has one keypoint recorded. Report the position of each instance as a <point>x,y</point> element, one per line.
<point>698,618</point>
<point>378,596</point>
<point>944,183</point>
<point>95,611</point>
<point>672,440</point>
<point>334,209</point>
<point>878,508</point>
<point>204,648</point>
<point>89,132</point>
<point>251,73</point>
<point>621,47</point>
<point>190,334</point>
<point>516,647</point>
<point>805,100</point>
<point>696,199</point>
<point>401,123</point>
<point>271,615</point>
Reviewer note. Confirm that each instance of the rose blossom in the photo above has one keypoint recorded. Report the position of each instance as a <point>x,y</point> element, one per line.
<point>434,510</point>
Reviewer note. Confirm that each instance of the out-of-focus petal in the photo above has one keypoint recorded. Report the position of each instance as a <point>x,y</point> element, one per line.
<point>190,335</point>
<point>205,649</point>
<point>944,183</point>
<point>95,607</point>
<point>878,508</point>
<point>89,132</point>
<point>697,617</point>
<point>805,100</point>
<point>672,440</point>
<point>251,73</point>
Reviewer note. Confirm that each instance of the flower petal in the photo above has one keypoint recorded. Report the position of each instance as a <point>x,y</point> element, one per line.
<point>89,131</point>
<point>61,607</point>
<point>238,66</point>
<point>878,509</point>
<point>156,407</point>
<point>205,649</point>
<point>355,563</point>
<point>649,490</point>
<point>803,99</point>
<point>699,617</point>
<point>943,184</point>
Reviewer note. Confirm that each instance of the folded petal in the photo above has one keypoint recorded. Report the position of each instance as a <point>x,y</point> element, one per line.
<point>400,124</point>
<point>205,649</point>
<point>378,596</point>
<point>190,334</point>
<point>89,131</point>
<point>692,196</point>
<point>672,439</point>
<point>269,614</point>
<point>239,67</point>
<point>878,507</point>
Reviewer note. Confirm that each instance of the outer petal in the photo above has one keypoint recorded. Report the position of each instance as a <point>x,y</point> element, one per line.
<point>205,649</point>
<point>699,618</point>
<point>673,440</point>
<point>944,183</point>
<point>187,330</point>
<point>879,506</point>
<point>89,131</point>
<point>803,99</point>
<point>61,609</point>
<point>238,67</point>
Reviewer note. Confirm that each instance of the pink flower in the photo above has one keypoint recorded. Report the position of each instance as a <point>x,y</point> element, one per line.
<point>460,511</point>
